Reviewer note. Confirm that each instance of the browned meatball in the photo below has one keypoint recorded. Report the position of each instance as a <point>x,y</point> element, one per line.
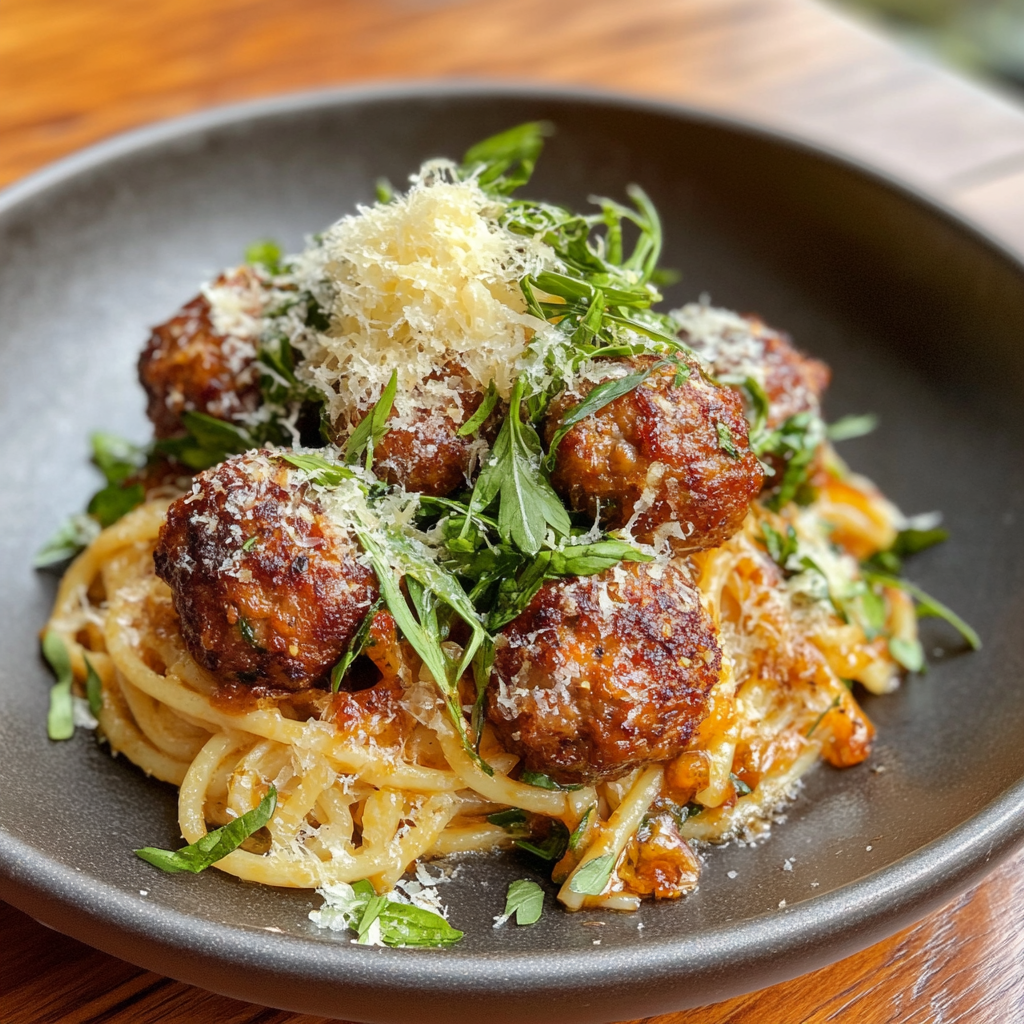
<point>268,589</point>
<point>740,347</point>
<point>188,366</point>
<point>675,457</point>
<point>604,673</point>
<point>424,452</point>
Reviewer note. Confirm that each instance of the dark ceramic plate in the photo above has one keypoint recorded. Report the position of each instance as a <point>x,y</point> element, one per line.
<point>921,320</point>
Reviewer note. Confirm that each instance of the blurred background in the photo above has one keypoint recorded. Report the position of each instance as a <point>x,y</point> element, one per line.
<point>984,38</point>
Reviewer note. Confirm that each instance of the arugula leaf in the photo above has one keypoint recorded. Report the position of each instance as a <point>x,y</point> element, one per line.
<point>215,845</point>
<point>591,878</point>
<point>504,162</point>
<point>207,442</point>
<point>796,443</point>
<point>527,503</point>
<point>927,606</point>
<point>108,505</point>
<point>356,645</point>
<point>849,427</point>
<point>484,409</point>
<point>322,472</point>
<point>525,900</point>
<point>115,457</point>
<point>265,252</point>
<point>93,688</point>
<point>908,542</point>
<point>542,781</point>
<point>908,653</point>
<point>373,426</point>
<point>60,722</point>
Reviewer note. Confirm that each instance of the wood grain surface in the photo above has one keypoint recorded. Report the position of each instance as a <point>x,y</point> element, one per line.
<point>73,72</point>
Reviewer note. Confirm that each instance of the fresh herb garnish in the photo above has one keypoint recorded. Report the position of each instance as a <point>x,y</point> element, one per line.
<point>266,253</point>
<point>780,548</point>
<point>551,847</point>
<point>215,845</point>
<point>821,717</point>
<point>909,653</point>
<point>849,427</point>
<point>60,721</point>
<point>504,162</point>
<point>524,900</point>
<point>580,830</point>
<point>373,426</point>
<point>742,789</point>
<point>591,878</point>
<point>511,820</point>
<point>356,645</point>
<point>483,411</point>
<point>542,781</point>
<point>726,441</point>
<point>93,688</point>
<point>908,542</point>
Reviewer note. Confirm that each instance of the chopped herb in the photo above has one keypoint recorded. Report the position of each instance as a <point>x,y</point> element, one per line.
<point>215,845</point>
<point>580,830</point>
<point>73,535</point>
<point>849,427</point>
<point>93,689</point>
<point>795,443</point>
<point>250,543</point>
<point>398,924</point>
<point>591,878</point>
<point>927,606</point>
<point>726,441</point>
<point>908,653</point>
<point>266,253</point>
<point>542,781</point>
<point>552,847</point>
<point>207,442</point>
<point>322,472</point>
<point>512,820</point>
<point>373,426</point>
<point>60,722</point>
<point>525,900</point>
<point>821,717</point>
<point>114,501</point>
<point>781,549</point>
<point>384,191</point>
<point>356,645</point>
<point>483,410</point>
<point>742,789</point>
<point>908,542</point>
<point>248,633</point>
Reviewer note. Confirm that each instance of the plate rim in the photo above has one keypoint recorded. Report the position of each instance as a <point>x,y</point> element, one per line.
<point>784,943</point>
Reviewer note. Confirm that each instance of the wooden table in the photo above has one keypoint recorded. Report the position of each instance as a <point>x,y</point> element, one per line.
<point>72,73</point>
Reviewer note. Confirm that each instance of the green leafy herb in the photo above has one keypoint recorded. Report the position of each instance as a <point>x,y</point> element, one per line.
<point>908,653</point>
<point>580,830</point>
<point>908,542</point>
<point>115,457</point>
<point>74,534</point>
<point>525,900</point>
<point>849,427</point>
<point>356,645</point>
<point>512,820</point>
<point>248,633</point>
<point>207,442</point>
<point>60,722</point>
<point>321,471</point>
<point>384,191</point>
<point>542,781</point>
<point>821,717</point>
<point>742,789</point>
<point>781,549</point>
<point>373,426</point>
<point>527,503</point>
<point>591,878</point>
<point>726,441</point>
<point>483,411</point>
<point>927,606</point>
<point>215,845</point>
<point>114,501</point>
<point>93,689</point>
<point>504,162</point>
<point>250,543</point>
<point>551,847</point>
<point>265,252</point>
<point>795,443</point>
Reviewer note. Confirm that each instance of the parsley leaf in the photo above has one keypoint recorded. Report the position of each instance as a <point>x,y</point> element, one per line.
<point>525,900</point>
<point>215,845</point>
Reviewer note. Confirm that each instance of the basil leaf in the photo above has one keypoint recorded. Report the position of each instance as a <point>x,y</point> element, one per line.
<point>912,540</point>
<point>849,427</point>
<point>581,828</point>
<point>60,722</point>
<point>356,645</point>
<point>208,441</point>
<point>551,847</point>
<point>373,426</point>
<point>115,457</point>
<point>93,688</point>
<point>374,905</point>
<point>591,878</point>
<point>525,900</point>
<point>114,501</point>
<point>402,924</point>
<point>215,845</point>
<point>542,781</point>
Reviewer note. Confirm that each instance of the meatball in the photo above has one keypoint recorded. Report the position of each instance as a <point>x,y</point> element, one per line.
<point>601,674</point>
<point>672,462</point>
<point>737,348</point>
<point>422,449</point>
<point>204,359</point>
<point>269,590</point>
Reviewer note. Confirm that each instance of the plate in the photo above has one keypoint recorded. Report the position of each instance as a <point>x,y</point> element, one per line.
<point>920,317</point>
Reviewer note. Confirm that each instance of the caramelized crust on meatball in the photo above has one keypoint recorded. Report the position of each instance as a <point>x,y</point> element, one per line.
<point>676,458</point>
<point>268,589</point>
<point>188,366</point>
<point>602,674</point>
<point>745,347</point>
